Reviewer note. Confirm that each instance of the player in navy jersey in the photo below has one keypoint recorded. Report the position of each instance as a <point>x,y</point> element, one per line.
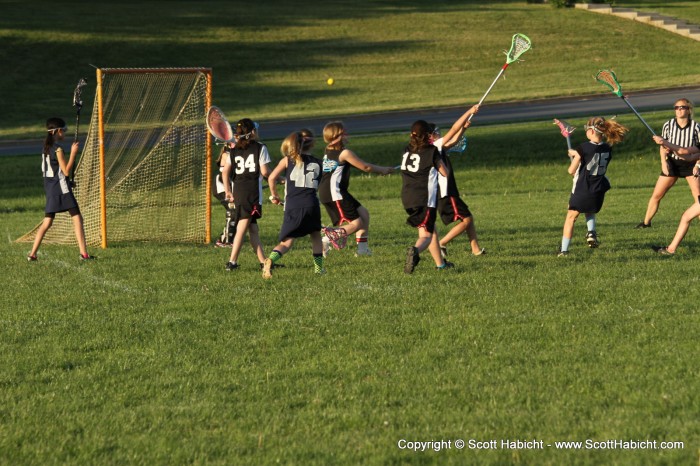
<point>342,207</point>
<point>249,160</point>
<point>681,131</point>
<point>691,155</point>
<point>224,165</point>
<point>302,210</point>
<point>450,205</point>
<point>59,191</point>
<point>589,162</point>
<point>420,166</point>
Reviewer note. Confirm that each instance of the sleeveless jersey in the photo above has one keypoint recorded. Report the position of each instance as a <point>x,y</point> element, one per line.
<point>335,179</point>
<point>245,165</point>
<point>447,185</point>
<point>590,176</point>
<point>302,183</point>
<point>419,173</point>
<point>55,182</point>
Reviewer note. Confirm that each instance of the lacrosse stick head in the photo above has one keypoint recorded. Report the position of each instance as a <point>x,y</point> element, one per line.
<point>218,125</point>
<point>565,128</point>
<point>77,94</point>
<point>609,78</point>
<point>518,46</point>
<point>460,147</point>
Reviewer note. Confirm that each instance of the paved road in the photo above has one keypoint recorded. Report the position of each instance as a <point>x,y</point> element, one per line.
<point>600,104</point>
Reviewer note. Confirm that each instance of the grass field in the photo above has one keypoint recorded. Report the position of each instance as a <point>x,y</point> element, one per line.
<point>155,355</point>
<point>271,60</point>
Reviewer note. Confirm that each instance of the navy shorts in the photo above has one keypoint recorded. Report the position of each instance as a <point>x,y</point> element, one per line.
<point>300,222</point>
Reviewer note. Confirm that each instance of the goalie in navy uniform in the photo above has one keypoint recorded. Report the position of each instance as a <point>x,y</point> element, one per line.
<point>59,190</point>
<point>249,163</point>
<point>343,209</point>
<point>420,166</point>
<point>589,162</point>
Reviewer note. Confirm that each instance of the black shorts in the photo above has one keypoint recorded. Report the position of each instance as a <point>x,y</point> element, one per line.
<point>453,209</point>
<point>253,212</point>
<point>422,217</point>
<point>588,203</point>
<point>679,168</point>
<point>344,210</point>
<point>300,222</point>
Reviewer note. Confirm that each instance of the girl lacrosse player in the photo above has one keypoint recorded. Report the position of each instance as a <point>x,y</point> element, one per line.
<point>589,162</point>
<point>249,161</point>
<point>302,211</point>
<point>450,205</point>
<point>419,170</point>
<point>224,164</point>
<point>681,131</point>
<point>59,191</point>
<point>333,193</point>
<point>689,155</point>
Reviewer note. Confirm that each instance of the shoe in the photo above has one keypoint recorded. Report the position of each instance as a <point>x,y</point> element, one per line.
<point>87,257</point>
<point>448,265</point>
<point>367,252</point>
<point>231,266</point>
<point>274,266</point>
<point>31,258</point>
<point>481,252</point>
<point>320,272</point>
<point>592,239</point>
<point>562,253</point>
<point>443,252</point>
<point>412,259</point>
<point>267,269</point>
<point>643,225</point>
<point>221,244</point>
<point>663,250</point>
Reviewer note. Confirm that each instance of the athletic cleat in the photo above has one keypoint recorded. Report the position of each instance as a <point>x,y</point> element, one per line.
<point>447,265</point>
<point>662,250</point>
<point>443,252</point>
<point>412,259</point>
<point>87,257</point>
<point>320,272</point>
<point>221,244</point>
<point>642,226</point>
<point>267,269</point>
<point>592,239</point>
<point>481,252</point>
<point>367,252</point>
<point>231,266</point>
<point>31,258</point>
<point>274,266</point>
<point>562,253</point>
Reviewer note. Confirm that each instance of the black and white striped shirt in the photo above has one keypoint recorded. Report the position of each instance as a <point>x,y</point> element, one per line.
<point>683,137</point>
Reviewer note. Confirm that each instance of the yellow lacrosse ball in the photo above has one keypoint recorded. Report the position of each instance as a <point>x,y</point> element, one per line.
<point>330,81</point>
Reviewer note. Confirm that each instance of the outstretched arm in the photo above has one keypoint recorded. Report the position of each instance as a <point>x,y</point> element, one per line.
<point>689,154</point>
<point>348,156</point>
<point>455,132</point>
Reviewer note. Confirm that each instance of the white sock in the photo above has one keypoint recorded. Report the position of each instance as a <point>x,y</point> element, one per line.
<point>565,243</point>
<point>590,222</point>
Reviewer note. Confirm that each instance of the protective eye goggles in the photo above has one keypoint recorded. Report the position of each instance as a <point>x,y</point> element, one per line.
<point>681,107</point>
<point>53,130</point>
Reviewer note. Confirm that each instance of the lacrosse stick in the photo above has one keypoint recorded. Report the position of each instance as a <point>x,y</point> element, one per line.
<point>337,236</point>
<point>519,45</point>
<point>219,126</point>
<point>78,104</point>
<point>566,130</point>
<point>609,78</point>
<point>460,146</point>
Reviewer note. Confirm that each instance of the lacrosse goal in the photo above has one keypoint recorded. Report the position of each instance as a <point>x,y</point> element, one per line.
<point>144,174</point>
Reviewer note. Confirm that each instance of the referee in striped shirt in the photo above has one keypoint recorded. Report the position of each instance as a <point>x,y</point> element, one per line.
<point>682,131</point>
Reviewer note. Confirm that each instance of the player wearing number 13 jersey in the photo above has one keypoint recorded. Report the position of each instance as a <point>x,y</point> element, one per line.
<point>589,162</point>
<point>249,161</point>
<point>420,166</point>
